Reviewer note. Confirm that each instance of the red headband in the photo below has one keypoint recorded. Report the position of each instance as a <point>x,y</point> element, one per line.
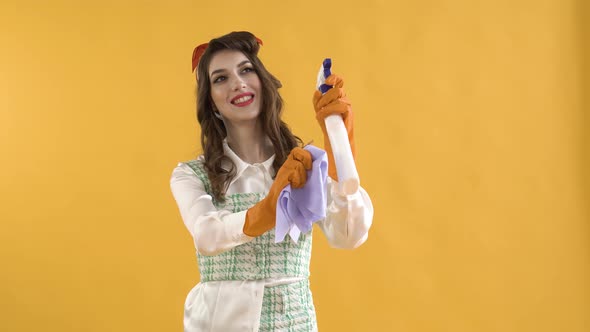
<point>199,50</point>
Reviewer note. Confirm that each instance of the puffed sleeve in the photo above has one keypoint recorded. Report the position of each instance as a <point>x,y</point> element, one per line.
<point>348,217</point>
<point>214,231</point>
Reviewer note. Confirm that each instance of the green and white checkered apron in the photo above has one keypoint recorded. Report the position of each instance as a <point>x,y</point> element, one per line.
<point>287,307</point>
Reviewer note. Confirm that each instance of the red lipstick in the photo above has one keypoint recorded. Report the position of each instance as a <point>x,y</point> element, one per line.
<point>243,99</point>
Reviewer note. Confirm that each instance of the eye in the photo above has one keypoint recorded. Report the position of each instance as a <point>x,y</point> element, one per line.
<point>219,79</point>
<point>247,70</point>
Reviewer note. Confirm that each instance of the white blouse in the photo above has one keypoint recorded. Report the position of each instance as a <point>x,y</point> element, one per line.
<point>215,231</point>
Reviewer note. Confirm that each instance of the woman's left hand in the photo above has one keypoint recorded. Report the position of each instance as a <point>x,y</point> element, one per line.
<point>334,102</point>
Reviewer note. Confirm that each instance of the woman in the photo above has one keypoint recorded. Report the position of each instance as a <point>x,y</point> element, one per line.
<point>227,197</point>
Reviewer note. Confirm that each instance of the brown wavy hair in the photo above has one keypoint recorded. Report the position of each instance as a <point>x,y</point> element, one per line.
<point>213,130</point>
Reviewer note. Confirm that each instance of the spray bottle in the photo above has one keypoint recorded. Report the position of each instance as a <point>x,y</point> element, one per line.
<point>348,178</point>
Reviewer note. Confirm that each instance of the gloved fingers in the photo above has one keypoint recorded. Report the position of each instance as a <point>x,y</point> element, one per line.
<point>335,80</point>
<point>298,176</point>
<point>316,97</point>
<point>341,107</point>
<point>296,166</point>
<point>330,96</point>
<point>303,156</point>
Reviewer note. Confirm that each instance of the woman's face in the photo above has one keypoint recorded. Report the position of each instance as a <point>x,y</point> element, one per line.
<point>235,86</point>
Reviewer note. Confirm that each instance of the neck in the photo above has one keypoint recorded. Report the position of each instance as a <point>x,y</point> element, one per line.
<point>250,143</point>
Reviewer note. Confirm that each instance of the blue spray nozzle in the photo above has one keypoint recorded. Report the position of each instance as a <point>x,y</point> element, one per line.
<point>324,73</point>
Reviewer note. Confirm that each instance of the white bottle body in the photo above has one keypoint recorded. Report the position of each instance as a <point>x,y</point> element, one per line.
<point>348,178</point>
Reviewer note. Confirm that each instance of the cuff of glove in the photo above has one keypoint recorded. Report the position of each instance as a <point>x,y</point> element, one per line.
<point>258,223</point>
<point>236,224</point>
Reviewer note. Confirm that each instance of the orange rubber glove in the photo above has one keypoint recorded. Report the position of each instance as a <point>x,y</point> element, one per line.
<point>334,102</point>
<point>262,216</point>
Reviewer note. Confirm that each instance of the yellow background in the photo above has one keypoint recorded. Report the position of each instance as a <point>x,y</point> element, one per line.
<point>472,127</point>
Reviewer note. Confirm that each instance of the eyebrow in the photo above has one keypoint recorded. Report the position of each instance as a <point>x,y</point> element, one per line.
<point>222,70</point>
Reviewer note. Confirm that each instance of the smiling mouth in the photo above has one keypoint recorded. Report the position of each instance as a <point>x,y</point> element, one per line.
<point>243,101</point>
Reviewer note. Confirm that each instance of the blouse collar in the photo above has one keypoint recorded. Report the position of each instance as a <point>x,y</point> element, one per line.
<point>242,165</point>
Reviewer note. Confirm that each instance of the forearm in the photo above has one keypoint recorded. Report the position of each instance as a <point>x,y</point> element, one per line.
<point>214,231</point>
<point>219,231</point>
<point>348,218</point>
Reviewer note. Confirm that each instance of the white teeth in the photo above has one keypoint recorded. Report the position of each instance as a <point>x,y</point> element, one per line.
<point>243,99</point>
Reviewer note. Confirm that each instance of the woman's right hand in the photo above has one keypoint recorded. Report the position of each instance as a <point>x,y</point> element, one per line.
<point>262,216</point>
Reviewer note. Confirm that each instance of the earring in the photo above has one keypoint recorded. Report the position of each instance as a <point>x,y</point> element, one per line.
<point>216,113</point>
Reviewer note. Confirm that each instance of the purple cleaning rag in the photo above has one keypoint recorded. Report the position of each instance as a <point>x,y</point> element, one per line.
<point>299,208</point>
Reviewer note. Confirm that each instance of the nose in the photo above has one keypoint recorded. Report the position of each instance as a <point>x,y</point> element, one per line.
<point>238,84</point>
